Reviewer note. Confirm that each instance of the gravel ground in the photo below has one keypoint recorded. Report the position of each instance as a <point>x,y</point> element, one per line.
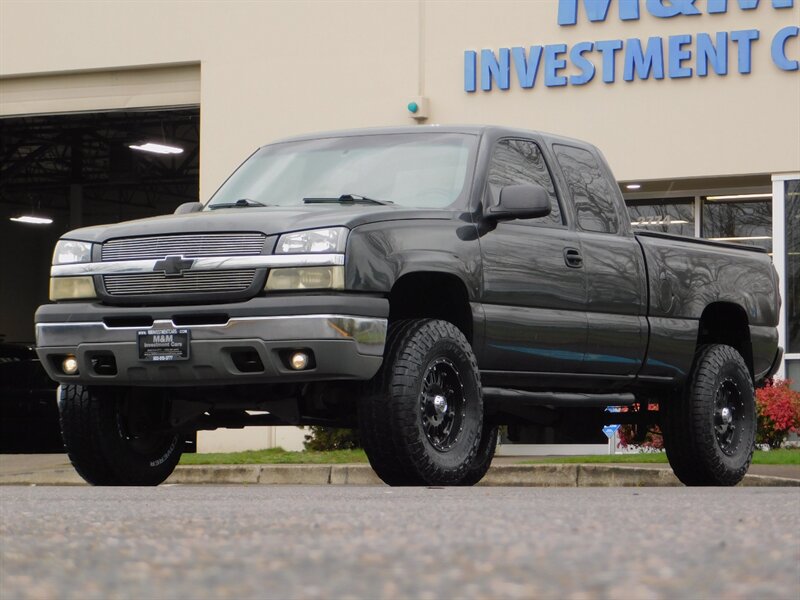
<point>428,543</point>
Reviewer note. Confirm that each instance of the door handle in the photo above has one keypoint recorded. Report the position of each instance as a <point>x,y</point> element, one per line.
<point>573,258</point>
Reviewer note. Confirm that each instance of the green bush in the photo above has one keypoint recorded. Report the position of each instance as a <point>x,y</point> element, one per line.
<point>321,439</point>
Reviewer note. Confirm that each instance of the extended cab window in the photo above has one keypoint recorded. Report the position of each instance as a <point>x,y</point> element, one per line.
<point>516,162</point>
<point>593,198</point>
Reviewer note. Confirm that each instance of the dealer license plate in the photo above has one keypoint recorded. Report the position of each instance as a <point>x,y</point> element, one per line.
<point>163,345</point>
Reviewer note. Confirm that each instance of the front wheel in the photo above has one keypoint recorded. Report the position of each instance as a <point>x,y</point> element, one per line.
<point>709,429</point>
<point>421,417</point>
<point>112,436</point>
<point>483,457</point>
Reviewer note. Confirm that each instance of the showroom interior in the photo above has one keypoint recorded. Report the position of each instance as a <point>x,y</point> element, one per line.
<point>64,171</point>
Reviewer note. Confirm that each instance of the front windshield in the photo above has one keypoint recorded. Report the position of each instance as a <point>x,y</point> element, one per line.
<point>421,170</point>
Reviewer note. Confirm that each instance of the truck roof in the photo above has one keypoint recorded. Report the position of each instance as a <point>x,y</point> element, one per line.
<point>478,130</point>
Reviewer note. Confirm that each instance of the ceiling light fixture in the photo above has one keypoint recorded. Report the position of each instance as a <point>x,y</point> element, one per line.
<point>633,186</point>
<point>740,197</point>
<point>32,220</point>
<point>156,148</point>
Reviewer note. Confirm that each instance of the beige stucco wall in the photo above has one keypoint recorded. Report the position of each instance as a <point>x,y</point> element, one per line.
<point>271,69</point>
<point>250,438</point>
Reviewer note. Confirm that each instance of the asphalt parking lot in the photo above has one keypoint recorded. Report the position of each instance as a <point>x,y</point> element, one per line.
<point>367,542</point>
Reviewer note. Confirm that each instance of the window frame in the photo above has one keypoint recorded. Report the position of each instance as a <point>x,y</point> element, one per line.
<point>621,228</point>
<point>535,222</point>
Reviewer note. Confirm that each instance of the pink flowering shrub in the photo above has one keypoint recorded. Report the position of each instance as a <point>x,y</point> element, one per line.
<point>778,409</point>
<point>653,439</point>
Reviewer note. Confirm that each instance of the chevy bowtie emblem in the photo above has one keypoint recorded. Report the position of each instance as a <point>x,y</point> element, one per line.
<point>173,266</point>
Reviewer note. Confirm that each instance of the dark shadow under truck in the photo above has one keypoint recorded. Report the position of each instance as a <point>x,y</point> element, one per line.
<point>425,285</point>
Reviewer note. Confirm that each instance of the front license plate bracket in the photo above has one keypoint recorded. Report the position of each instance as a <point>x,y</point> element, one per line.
<point>163,345</point>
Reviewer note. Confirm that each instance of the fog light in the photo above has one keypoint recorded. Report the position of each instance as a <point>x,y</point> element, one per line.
<point>70,365</point>
<point>299,361</point>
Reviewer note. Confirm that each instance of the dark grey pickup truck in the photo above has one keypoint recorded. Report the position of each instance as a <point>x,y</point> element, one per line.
<point>425,285</point>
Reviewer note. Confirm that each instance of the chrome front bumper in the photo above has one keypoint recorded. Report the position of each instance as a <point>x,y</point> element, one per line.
<point>343,347</point>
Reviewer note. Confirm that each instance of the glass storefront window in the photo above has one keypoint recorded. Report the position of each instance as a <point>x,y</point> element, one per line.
<point>792,300</point>
<point>667,216</point>
<point>738,221</point>
<point>793,373</point>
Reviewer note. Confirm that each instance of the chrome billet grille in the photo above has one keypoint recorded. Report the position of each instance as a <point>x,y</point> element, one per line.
<point>190,246</point>
<point>190,283</point>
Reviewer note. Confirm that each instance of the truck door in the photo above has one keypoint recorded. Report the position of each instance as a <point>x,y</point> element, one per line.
<point>534,300</point>
<point>613,263</point>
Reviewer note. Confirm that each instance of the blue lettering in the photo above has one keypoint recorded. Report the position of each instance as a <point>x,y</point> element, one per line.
<point>470,57</point>
<point>779,48</point>
<point>707,53</point>
<point>609,49</point>
<point>581,62</point>
<point>677,56</point>
<point>744,39</point>
<point>596,10</point>
<point>527,66</point>
<point>492,68</point>
<point>664,9</point>
<point>721,6</point>
<point>644,62</point>
<point>553,64</point>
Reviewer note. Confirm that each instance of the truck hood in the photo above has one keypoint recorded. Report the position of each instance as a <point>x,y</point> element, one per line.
<point>267,220</point>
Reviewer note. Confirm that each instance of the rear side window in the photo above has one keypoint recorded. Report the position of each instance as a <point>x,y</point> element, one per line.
<point>593,198</point>
<point>516,162</point>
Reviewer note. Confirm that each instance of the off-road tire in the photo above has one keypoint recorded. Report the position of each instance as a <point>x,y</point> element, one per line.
<point>98,448</point>
<point>483,457</point>
<point>691,420</point>
<point>391,409</point>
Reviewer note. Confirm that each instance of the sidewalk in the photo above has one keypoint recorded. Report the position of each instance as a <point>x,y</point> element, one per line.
<point>55,469</point>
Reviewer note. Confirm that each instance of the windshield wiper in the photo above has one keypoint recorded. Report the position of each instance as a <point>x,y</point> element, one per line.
<point>346,199</point>
<point>240,203</point>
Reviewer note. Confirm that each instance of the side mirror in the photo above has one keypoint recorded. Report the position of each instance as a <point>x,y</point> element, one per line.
<point>526,201</point>
<point>188,207</point>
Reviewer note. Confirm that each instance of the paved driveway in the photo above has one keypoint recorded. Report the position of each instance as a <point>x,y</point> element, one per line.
<point>367,542</point>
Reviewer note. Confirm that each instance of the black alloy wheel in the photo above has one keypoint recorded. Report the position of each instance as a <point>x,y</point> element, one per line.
<point>442,404</point>
<point>728,416</point>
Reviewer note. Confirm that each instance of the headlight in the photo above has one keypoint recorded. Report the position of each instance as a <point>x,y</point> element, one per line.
<point>70,251</point>
<point>71,288</point>
<point>306,278</point>
<point>330,240</point>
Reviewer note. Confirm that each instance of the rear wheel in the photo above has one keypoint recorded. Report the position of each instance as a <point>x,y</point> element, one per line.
<point>709,429</point>
<point>421,417</point>
<point>111,436</point>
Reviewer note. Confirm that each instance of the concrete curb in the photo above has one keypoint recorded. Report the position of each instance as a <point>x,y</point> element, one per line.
<point>543,475</point>
<point>554,475</point>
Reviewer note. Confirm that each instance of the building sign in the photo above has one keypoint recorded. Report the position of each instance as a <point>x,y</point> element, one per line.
<point>673,57</point>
